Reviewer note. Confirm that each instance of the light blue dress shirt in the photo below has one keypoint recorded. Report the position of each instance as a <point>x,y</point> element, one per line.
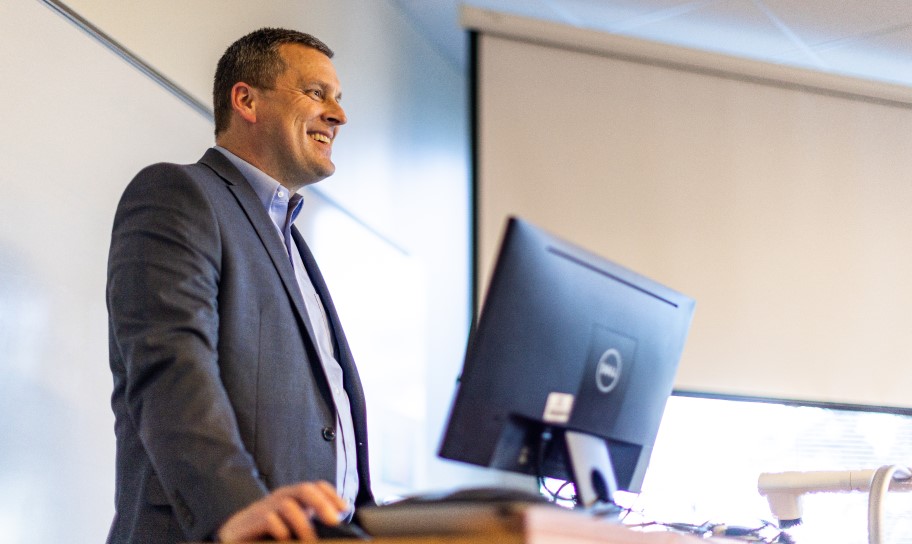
<point>283,207</point>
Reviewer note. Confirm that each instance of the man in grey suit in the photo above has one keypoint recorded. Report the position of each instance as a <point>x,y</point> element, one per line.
<point>239,411</point>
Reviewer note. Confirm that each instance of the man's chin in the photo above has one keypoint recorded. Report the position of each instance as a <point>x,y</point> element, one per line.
<point>317,177</point>
<point>327,171</point>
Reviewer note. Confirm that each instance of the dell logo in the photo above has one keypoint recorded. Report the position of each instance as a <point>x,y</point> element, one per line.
<point>608,370</point>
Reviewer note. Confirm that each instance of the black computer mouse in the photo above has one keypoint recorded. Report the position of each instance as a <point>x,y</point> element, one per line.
<point>342,530</point>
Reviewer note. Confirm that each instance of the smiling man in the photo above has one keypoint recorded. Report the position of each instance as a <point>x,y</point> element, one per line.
<point>239,411</point>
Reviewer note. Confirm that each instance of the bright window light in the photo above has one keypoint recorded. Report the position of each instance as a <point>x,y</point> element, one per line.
<point>709,453</point>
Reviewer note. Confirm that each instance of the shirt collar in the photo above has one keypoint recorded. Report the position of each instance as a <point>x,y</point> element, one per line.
<point>267,188</point>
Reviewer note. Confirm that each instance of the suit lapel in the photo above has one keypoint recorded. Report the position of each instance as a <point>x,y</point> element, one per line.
<point>264,228</point>
<point>316,278</point>
<point>352,381</point>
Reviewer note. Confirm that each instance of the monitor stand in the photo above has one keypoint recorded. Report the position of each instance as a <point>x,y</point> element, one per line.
<point>593,475</point>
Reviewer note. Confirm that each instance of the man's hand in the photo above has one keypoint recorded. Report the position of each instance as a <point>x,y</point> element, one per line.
<point>285,514</point>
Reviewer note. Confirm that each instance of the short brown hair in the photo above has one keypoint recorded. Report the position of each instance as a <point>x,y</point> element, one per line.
<point>255,60</point>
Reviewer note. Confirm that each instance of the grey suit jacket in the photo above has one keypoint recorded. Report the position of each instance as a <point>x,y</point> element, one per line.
<point>219,395</point>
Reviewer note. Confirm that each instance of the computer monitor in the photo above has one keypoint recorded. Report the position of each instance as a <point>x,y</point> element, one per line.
<point>568,345</point>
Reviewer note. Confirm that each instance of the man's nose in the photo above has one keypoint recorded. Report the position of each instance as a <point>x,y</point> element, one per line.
<point>335,114</point>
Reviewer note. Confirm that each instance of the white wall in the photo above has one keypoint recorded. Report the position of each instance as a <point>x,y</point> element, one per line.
<point>79,122</point>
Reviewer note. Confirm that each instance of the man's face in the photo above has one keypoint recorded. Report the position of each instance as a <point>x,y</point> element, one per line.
<point>299,118</point>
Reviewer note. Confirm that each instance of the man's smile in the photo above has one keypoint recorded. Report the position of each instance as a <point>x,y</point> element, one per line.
<point>321,137</point>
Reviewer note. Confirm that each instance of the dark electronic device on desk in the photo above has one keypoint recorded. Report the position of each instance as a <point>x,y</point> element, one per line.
<point>341,531</point>
<point>569,368</point>
<point>566,375</point>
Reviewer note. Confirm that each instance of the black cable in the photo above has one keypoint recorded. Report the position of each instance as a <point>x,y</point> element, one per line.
<point>544,440</point>
<point>747,534</point>
<point>556,495</point>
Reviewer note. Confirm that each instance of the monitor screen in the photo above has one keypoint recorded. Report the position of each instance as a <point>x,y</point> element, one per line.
<point>566,341</point>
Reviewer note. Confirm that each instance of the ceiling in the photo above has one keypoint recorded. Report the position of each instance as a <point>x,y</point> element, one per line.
<point>870,39</point>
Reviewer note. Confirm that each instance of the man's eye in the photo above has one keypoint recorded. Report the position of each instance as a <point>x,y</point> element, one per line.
<point>315,93</point>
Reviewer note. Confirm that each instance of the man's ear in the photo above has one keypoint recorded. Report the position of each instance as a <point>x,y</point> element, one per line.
<point>243,101</point>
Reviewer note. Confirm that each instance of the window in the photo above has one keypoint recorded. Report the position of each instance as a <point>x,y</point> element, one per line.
<point>710,452</point>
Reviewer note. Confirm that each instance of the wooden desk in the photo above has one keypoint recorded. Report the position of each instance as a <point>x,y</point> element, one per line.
<point>537,525</point>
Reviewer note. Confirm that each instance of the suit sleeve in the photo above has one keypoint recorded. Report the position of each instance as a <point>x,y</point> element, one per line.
<point>163,281</point>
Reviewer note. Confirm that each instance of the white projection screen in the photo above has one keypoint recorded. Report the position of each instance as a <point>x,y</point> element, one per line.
<point>780,199</point>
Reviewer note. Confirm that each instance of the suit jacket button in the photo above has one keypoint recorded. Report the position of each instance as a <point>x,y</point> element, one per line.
<point>329,434</point>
